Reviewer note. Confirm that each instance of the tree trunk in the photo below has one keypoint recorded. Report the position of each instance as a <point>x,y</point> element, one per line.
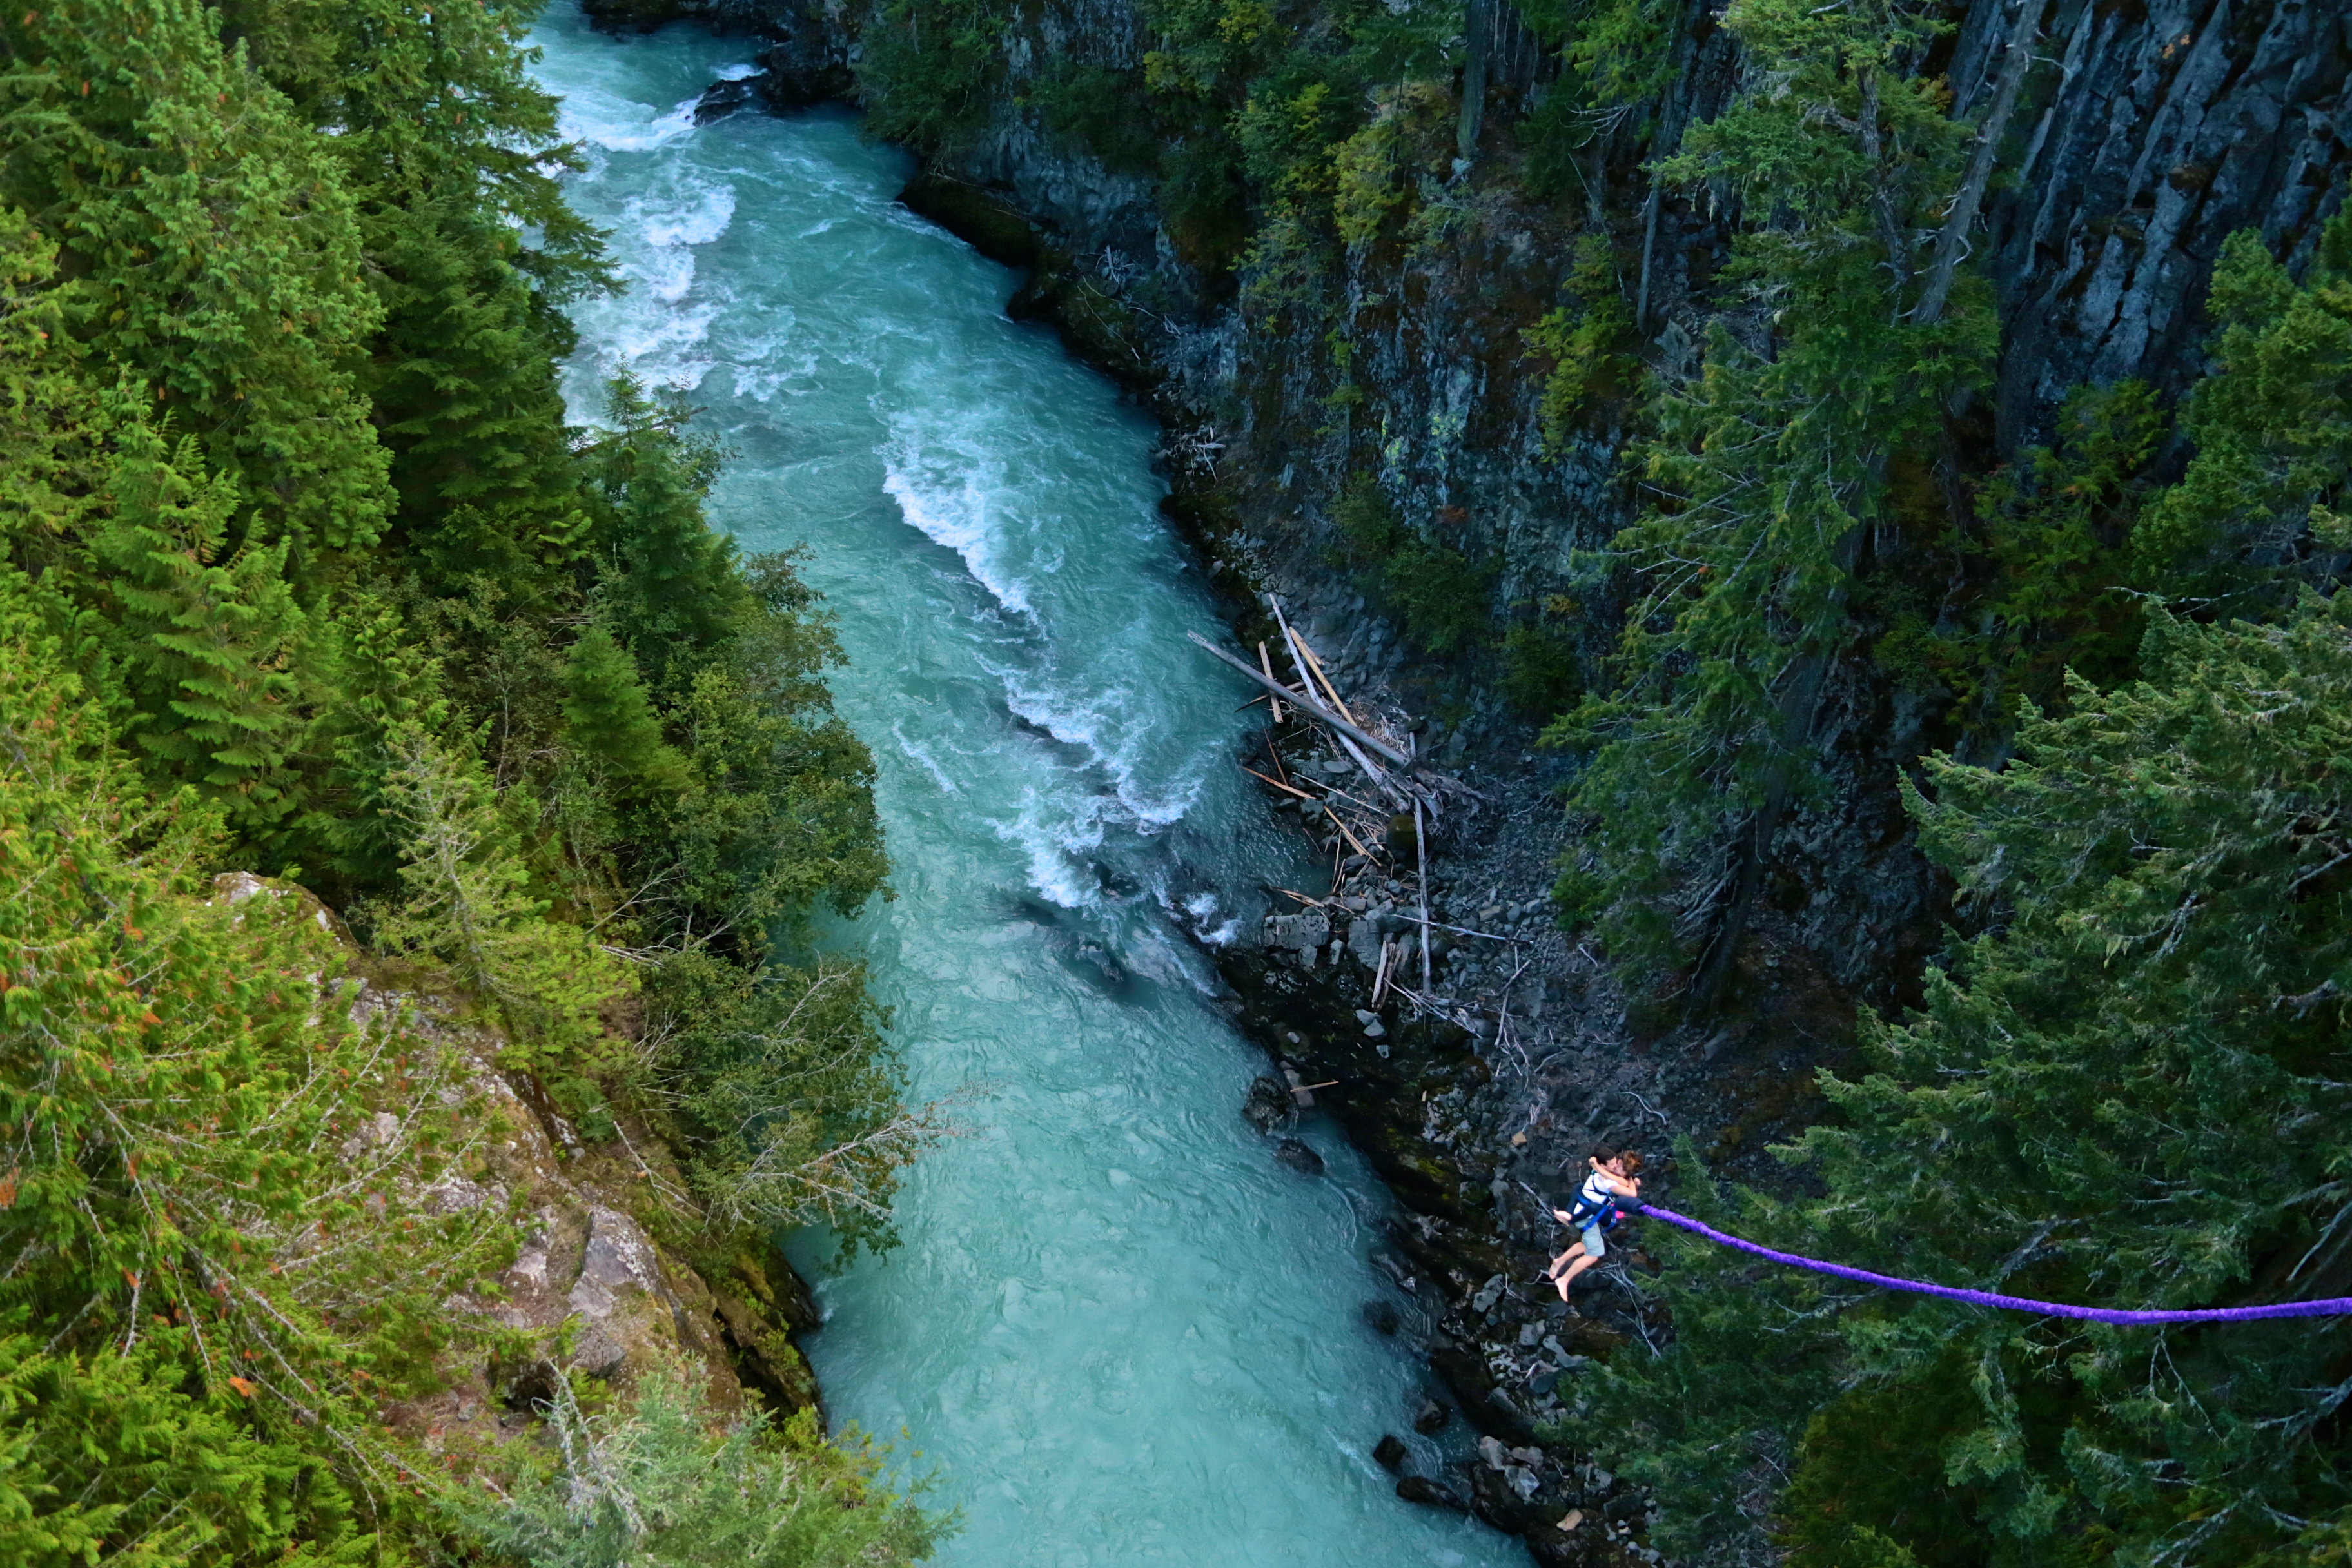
<point>1476,24</point>
<point>1952,244</point>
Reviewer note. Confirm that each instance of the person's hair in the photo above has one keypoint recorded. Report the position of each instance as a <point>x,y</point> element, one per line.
<point>1604,1152</point>
<point>1633,1160</point>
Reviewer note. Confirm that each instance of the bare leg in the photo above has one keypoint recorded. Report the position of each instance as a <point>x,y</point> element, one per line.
<point>1576,1249</point>
<point>1579,1266</point>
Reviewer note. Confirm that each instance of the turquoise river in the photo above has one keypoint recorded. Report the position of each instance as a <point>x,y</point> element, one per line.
<point>1118,1331</point>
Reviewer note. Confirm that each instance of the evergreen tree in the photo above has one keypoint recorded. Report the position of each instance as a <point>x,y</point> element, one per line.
<point>450,151</point>
<point>669,578</point>
<point>469,904</point>
<point>2129,1094</point>
<point>610,716</point>
<point>670,1484</point>
<point>213,252</point>
<point>205,645</point>
<point>209,1286</point>
<point>1772,466</point>
<point>2259,505</point>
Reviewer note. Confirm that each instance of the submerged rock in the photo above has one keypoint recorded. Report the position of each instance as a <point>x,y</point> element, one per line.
<point>1381,1317</point>
<point>1430,1493</point>
<point>1389,1452</point>
<point>1430,1419</point>
<point>721,99</point>
<point>1298,1157</point>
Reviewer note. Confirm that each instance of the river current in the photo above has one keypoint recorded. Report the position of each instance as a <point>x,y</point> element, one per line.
<point>1118,1331</point>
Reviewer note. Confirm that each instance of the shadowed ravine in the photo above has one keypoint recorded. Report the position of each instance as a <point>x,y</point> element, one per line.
<point>1120,1331</point>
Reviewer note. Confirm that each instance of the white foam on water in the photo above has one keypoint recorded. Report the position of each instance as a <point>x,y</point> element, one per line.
<point>660,345</point>
<point>922,758</point>
<point>1060,865</point>
<point>950,497</point>
<point>696,221</point>
<point>1204,909</point>
<point>739,71</point>
<point>764,363</point>
<point>1111,726</point>
<point>622,125</point>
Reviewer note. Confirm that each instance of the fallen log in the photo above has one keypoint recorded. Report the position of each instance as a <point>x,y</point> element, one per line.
<point>1267,664</point>
<point>1314,709</point>
<point>1279,784</point>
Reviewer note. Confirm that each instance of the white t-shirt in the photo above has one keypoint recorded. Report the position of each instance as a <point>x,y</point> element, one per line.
<point>1597,1192</point>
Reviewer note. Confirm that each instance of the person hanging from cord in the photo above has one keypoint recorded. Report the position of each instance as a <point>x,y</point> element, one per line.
<point>1595,1212</point>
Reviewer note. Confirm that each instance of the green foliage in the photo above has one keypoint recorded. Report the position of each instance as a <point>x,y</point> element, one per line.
<point>1094,107</point>
<point>669,578</point>
<point>929,69</point>
<point>1620,59</point>
<point>1440,593</point>
<point>304,568</point>
<point>1365,179</point>
<point>2272,429</point>
<point>215,1182</point>
<point>214,256</point>
<point>110,1455</point>
<point>2055,529</point>
<point>665,1483</point>
<point>1542,676</point>
<point>204,644</point>
<point>2129,1094</point>
<point>1586,338</point>
<point>610,717</point>
<point>1769,466</point>
<point>468,905</point>
<point>830,1151</point>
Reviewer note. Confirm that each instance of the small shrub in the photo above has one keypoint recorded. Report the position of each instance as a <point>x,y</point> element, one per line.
<point>1585,338</point>
<point>1541,677</point>
<point>1096,108</point>
<point>1441,594</point>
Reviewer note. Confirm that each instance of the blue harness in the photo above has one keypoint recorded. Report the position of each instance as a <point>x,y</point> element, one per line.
<point>1588,1210</point>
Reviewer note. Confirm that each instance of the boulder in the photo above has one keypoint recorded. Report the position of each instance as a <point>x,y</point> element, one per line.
<point>721,99</point>
<point>1389,1452</point>
<point>1302,933</point>
<point>1430,1493</point>
<point>1298,1157</point>
<point>1268,1104</point>
<point>1430,1419</point>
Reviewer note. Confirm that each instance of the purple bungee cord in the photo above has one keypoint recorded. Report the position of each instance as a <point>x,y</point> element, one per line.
<point>2330,1306</point>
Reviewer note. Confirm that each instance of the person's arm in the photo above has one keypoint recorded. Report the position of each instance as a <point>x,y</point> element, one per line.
<point>1624,1186</point>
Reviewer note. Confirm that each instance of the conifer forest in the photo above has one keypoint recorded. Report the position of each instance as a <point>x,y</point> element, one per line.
<point>1863,490</point>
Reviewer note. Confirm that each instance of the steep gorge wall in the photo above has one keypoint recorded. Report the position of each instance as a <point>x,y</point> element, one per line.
<point>2145,135</point>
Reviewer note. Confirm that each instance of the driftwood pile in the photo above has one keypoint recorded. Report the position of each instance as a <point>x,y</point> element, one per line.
<point>1401,798</point>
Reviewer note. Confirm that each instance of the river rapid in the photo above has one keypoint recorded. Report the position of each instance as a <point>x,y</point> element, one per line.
<point>1118,1331</point>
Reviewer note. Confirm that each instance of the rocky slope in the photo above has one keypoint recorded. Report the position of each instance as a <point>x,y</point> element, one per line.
<point>615,1273</point>
<point>2150,134</point>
